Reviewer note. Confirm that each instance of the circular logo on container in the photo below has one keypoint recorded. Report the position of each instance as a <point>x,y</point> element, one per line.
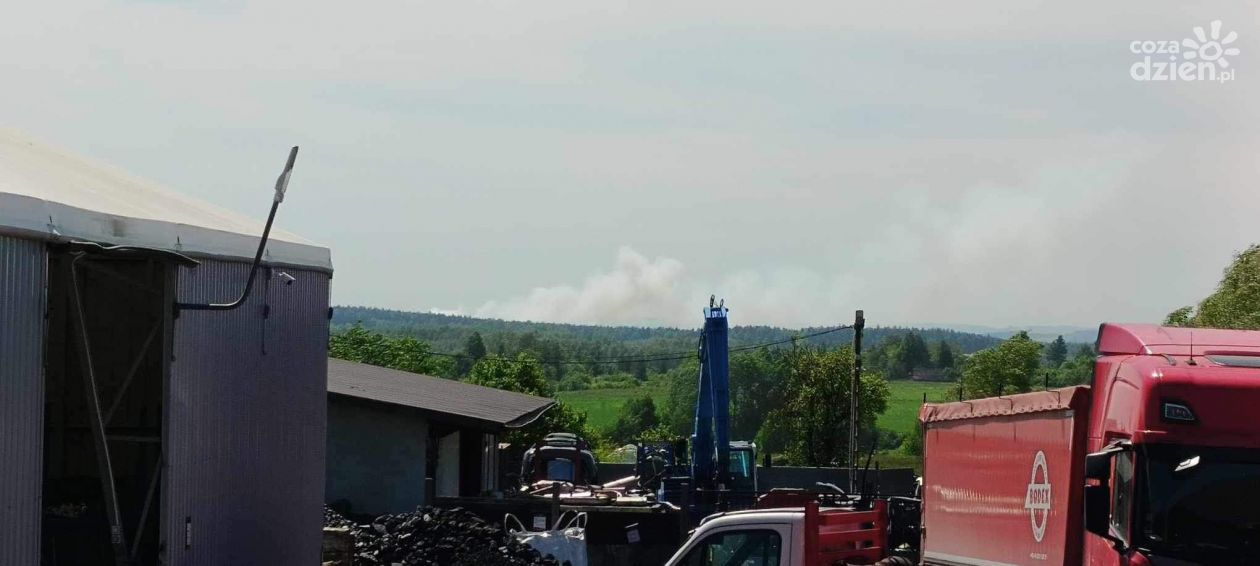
<point>1037,499</point>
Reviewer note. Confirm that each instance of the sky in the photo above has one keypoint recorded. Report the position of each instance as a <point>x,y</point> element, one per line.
<point>617,163</point>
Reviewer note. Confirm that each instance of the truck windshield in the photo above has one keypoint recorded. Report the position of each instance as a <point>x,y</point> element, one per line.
<point>1201,503</point>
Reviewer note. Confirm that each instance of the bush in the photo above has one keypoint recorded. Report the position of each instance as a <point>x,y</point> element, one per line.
<point>913,444</point>
<point>575,382</point>
<point>637,417</point>
<point>615,381</point>
<point>889,440</point>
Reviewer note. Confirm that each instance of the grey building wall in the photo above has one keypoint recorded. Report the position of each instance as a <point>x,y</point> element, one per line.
<point>244,482</point>
<point>376,456</point>
<point>23,264</point>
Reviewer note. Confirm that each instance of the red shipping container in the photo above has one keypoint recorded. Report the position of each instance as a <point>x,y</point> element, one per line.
<point>1003,479</point>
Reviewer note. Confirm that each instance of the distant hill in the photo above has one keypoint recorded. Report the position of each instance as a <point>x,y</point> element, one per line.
<point>1041,333</point>
<point>449,333</point>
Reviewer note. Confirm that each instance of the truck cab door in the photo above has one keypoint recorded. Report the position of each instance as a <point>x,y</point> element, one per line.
<point>743,545</point>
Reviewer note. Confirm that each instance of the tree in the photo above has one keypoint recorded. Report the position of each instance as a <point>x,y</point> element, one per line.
<point>1235,302</point>
<point>757,387</point>
<point>522,375</point>
<point>1079,370</point>
<point>1057,352</point>
<point>888,355</point>
<point>559,418</point>
<point>913,444</point>
<point>636,416</point>
<point>474,351</point>
<point>680,408</point>
<point>815,417</point>
<point>475,347</point>
<point>1183,316</point>
<point>944,356</point>
<point>913,353</point>
<point>1009,367</point>
<point>357,344</point>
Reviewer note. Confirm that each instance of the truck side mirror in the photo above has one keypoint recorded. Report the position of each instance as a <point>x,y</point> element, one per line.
<point>1098,510</point>
<point>1098,496</point>
<point>1098,465</point>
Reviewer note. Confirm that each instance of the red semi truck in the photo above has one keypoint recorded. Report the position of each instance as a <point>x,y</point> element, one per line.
<point>1156,462</point>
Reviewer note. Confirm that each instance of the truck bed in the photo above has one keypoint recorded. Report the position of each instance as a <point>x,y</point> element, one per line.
<point>1003,478</point>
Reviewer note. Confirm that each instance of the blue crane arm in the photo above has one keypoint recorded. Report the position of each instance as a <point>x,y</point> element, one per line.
<point>710,441</point>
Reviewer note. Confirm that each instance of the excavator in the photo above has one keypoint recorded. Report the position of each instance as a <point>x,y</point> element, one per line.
<point>708,473</point>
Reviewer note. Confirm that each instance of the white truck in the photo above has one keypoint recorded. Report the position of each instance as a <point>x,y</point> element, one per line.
<point>794,536</point>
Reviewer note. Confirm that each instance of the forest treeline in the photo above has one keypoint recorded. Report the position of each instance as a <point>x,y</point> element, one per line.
<point>558,346</point>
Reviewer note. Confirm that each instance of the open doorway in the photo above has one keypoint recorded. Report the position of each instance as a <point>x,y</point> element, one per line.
<point>108,344</point>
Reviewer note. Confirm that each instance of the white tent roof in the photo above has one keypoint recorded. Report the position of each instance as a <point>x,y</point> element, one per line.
<point>50,194</point>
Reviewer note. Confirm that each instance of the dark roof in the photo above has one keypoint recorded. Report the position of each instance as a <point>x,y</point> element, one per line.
<point>443,397</point>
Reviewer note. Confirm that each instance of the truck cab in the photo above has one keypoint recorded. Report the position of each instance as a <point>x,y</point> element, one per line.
<point>1174,473</point>
<point>808,536</point>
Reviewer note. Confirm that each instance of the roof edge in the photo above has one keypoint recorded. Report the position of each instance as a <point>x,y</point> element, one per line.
<point>529,418</point>
<point>66,223</point>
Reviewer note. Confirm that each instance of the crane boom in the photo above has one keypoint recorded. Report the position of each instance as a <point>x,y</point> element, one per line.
<point>710,440</point>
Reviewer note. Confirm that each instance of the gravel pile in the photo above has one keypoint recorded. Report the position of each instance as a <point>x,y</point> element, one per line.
<point>435,537</point>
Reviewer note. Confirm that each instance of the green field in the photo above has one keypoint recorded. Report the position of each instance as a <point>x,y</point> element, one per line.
<point>602,405</point>
<point>903,403</point>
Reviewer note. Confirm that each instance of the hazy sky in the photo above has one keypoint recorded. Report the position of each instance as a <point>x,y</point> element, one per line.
<point>599,162</point>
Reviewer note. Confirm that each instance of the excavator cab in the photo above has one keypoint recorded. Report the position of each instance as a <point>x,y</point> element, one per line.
<point>561,456</point>
<point>742,467</point>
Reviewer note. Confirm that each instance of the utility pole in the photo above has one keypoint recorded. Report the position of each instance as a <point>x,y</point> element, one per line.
<point>859,322</point>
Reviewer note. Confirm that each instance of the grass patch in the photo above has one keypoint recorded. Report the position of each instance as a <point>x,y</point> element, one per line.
<point>904,400</point>
<point>603,405</point>
<point>896,459</point>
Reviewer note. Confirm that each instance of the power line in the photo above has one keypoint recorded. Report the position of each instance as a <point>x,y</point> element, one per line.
<point>675,356</point>
<point>793,338</point>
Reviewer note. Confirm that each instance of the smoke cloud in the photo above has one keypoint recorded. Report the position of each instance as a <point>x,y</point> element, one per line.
<point>659,291</point>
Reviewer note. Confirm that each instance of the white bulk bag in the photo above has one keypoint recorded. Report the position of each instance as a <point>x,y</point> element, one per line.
<point>566,541</point>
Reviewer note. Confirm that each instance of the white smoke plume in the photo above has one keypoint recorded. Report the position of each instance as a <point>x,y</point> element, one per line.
<point>639,290</point>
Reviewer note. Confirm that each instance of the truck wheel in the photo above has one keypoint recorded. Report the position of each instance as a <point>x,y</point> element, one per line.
<point>895,561</point>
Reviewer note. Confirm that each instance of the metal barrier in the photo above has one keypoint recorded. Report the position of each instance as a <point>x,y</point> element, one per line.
<point>842,534</point>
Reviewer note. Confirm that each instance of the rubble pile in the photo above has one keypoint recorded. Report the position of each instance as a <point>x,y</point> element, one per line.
<point>435,537</point>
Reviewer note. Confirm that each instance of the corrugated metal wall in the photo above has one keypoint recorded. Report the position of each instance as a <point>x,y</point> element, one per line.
<point>246,421</point>
<point>23,264</point>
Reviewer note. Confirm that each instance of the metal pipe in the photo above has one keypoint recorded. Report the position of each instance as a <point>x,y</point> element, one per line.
<point>282,184</point>
<point>117,537</point>
<point>859,322</point>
